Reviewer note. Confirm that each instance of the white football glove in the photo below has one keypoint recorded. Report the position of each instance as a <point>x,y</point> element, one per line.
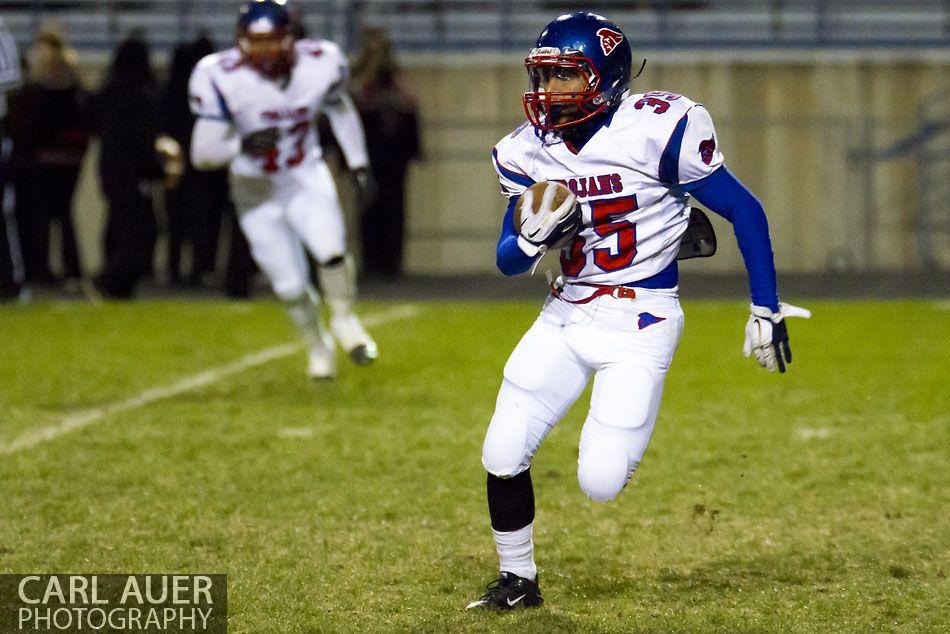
<point>766,336</point>
<point>548,228</point>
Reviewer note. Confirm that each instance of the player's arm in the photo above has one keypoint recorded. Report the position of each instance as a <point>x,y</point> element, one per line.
<point>214,140</point>
<point>766,333</point>
<point>698,170</point>
<point>345,119</point>
<point>723,194</point>
<point>214,144</point>
<point>510,256</point>
<point>347,128</point>
<point>514,255</point>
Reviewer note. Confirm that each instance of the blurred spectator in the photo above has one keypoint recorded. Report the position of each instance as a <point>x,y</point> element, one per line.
<point>392,132</point>
<point>49,124</point>
<point>11,269</point>
<point>188,224</point>
<point>200,202</point>
<point>128,167</point>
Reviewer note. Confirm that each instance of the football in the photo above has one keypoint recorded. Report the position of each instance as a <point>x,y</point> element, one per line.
<point>538,192</point>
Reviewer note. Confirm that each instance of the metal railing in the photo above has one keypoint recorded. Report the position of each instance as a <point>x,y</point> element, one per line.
<point>929,148</point>
<point>492,25</point>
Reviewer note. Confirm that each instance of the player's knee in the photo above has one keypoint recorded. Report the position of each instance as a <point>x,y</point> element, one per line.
<point>289,288</point>
<point>636,411</point>
<point>503,453</point>
<point>603,470</point>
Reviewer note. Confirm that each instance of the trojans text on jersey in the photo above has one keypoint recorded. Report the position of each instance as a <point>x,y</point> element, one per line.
<point>587,186</point>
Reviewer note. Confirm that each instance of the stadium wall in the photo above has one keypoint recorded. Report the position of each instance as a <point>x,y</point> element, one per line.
<point>799,129</point>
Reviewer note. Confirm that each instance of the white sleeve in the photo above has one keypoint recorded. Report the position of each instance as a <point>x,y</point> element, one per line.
<point>512,180</point>
<point>699,154</point>
<point>205,98</point>
<point>345,120</point>
<point>213,144</point>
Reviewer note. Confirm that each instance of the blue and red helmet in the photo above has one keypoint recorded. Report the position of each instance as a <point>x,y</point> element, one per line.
<point>265,36</point>
<point>583,43</point>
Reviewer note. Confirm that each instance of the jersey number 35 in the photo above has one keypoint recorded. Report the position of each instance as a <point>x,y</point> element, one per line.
<point>605,214</point>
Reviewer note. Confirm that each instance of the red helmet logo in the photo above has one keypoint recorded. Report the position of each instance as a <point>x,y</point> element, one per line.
<point>609,39</point>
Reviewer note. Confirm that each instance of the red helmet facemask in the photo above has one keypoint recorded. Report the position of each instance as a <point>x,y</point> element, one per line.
<point>548,110</point>
<point>269,51</point>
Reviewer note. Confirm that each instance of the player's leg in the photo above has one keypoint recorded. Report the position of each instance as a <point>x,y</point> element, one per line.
<point>313,211</point>
<point>542,379</point>
<point>624,404</point>
<point>278,253</point>
<point>618,428</point>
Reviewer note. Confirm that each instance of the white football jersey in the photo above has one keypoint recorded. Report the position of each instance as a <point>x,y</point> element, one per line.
<point>626,179</point>
<point>222,87</point>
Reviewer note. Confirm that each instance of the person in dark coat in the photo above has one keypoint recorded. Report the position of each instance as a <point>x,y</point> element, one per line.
<point>191,223</point>
<point>49,124</point>
<point>129,166</point>
<point>391,122</point>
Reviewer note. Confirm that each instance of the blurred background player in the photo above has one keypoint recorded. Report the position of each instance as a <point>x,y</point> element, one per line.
<point>11,259</point>
<point>631,163</point>
<point>256,106</point>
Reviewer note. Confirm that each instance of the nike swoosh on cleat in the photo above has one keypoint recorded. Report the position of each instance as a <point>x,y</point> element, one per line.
<point>512,603</point>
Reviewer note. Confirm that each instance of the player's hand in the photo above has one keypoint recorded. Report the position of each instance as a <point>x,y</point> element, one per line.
<point>766,336</point>
<point>365,186</point>
<point>260,142</point>
<point>548,228</point>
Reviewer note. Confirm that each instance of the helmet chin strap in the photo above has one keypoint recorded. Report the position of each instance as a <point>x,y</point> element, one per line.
<point>642,66</point>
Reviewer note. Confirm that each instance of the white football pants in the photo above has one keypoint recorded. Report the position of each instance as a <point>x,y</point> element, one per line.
<point>278,212</point>
<point>627,345</point>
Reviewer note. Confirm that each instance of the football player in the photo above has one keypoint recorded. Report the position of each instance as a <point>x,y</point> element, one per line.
<point>256,106</point>
<point>631,161</point>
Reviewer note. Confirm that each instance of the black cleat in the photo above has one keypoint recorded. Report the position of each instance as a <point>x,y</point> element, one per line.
<point>507,592</point>
<point>363,354</point>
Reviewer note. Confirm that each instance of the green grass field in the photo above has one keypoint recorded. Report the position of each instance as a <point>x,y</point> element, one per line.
<point>811,502</point>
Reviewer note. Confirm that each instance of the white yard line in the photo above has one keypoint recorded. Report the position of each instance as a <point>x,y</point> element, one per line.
<point>297,432</point>
<point>188,384</point>
<point>809,433</point>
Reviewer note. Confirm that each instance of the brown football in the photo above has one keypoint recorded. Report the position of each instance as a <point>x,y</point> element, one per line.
<point>538,188</point>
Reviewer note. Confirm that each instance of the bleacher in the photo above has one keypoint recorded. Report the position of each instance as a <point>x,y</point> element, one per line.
<point>491,25</point>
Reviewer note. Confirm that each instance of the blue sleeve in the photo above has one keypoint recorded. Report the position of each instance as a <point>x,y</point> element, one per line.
<point>509,258</point>
<point>723,194</point>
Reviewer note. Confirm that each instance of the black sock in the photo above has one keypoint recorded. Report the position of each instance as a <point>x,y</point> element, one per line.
<point>511,501</point>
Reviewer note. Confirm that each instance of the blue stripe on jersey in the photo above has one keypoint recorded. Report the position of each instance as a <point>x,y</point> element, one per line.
<point>667,278</point>
<point>670,159</point>
<point>521,179</point>
<point>212,117</point>
<point>225,111</point>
